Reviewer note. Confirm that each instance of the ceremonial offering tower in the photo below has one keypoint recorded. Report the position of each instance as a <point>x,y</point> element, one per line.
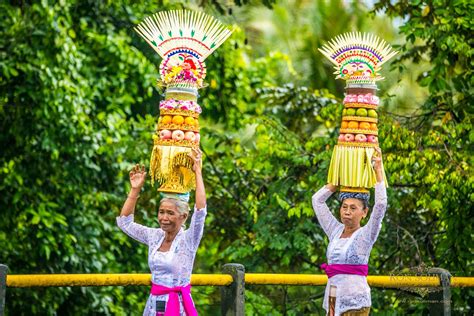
<point>184,39</point>
<point>357,58</point>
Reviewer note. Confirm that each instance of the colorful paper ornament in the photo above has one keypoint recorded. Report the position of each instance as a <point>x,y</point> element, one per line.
<point>184,39</point>
<point>358,58</point>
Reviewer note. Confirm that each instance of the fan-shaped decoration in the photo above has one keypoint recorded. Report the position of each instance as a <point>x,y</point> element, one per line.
<point>358,58</point>
<point>184,39</point>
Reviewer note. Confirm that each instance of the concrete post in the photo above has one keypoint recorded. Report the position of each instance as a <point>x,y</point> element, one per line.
<point>233,295</point>
<point>3,287</point>
<point>440,301</point>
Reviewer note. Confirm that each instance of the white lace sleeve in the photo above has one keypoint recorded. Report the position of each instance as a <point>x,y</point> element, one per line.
<point>327,221</point>
<point>136,231</point>
<point>375,221</point>
<point>196,228</point>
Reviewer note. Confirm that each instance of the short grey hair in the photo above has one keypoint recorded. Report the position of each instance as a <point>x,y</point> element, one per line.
<point>183,207</point>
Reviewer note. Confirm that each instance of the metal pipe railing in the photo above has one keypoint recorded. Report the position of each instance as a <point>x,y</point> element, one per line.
<point>232,282</point>
<point>58,280</point>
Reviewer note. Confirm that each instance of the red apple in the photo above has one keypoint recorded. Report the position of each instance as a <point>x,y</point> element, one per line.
<point>349,137</point>
<point>165,134</point>
<point>178,135</point>
<point>190,136</point>
<point>360,138</point>
<point>198,137</point>
<point>372,139</point>
<point>341,138</point>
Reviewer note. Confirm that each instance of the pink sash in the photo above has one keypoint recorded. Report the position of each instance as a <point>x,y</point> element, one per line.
<point>335,269</point>
<point>172,306</point>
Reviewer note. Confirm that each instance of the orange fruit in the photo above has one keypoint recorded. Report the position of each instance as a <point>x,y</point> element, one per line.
<point>166,119</point>
<point>344,124</point>
<point>373,126</point>
<point>178,119</point>
<point>189,120</point>
<point>364,125</point>
<point>353,125</point>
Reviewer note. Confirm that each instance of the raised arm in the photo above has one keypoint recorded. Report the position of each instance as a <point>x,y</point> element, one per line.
<point>126,219</point>
<point>375,222</point>
<point>137,180</point>
<point>196,228</point>
<point>200,189</point>
<point>327,221</point>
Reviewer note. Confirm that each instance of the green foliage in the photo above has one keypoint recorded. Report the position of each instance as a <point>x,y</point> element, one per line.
<point>78,108</point>
<point>69,79</point>
<point>430,153</point>
<point>441,34</point>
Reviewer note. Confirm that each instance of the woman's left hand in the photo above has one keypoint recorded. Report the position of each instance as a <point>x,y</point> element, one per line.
<point>377,159</point>
<point>196,156</point>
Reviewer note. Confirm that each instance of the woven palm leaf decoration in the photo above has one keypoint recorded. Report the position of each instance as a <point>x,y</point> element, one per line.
<point>358,58</point>
<point>183,39</point>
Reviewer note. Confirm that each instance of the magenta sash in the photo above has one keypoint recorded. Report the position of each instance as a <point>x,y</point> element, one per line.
<point>172,306</point>
<point>335,269</point>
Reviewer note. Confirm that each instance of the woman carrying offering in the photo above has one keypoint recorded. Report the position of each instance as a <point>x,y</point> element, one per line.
<point>171,248</point>
<point>347,291</point>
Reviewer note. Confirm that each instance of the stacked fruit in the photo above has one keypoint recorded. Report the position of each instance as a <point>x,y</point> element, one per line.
<point>359,120</point>
<point>178,123</point>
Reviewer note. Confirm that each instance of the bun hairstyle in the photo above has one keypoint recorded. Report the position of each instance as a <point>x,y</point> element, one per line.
<point>363,197</point>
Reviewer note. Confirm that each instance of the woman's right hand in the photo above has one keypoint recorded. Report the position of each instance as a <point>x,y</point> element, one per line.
<point>137,176</point>
<point>331,187</point>
<point>377,159</point>
<point>196,156</point>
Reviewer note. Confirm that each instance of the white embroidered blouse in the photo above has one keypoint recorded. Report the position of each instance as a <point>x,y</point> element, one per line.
<point>352,291</point>
<point>173,267</point>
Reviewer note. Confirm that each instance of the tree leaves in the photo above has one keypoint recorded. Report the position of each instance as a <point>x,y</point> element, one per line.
<point>78,107</point>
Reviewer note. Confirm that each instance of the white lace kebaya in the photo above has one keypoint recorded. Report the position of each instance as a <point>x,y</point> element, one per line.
<point>171,268</point>
<point>352,291</point>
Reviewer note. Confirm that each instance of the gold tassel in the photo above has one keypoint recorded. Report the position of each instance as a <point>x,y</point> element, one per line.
<point>155,164</point>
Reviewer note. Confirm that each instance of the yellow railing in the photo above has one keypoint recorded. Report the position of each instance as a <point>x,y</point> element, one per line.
<point>34,280</point>
<point>396,281</point>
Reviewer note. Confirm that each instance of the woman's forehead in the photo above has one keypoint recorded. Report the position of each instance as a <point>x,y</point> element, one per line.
<point>352,201</point>
<point>168,206</point>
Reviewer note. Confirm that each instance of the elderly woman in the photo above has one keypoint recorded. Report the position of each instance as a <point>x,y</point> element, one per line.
<point>347,291</point>
<point>171,248</point>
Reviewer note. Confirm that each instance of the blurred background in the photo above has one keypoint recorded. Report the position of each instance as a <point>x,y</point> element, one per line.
<point>79,104</point>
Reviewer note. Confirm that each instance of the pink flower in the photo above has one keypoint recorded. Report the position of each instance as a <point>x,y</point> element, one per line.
<point>352,98</point>
<point>368,98</point>
<point>375,100</point>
